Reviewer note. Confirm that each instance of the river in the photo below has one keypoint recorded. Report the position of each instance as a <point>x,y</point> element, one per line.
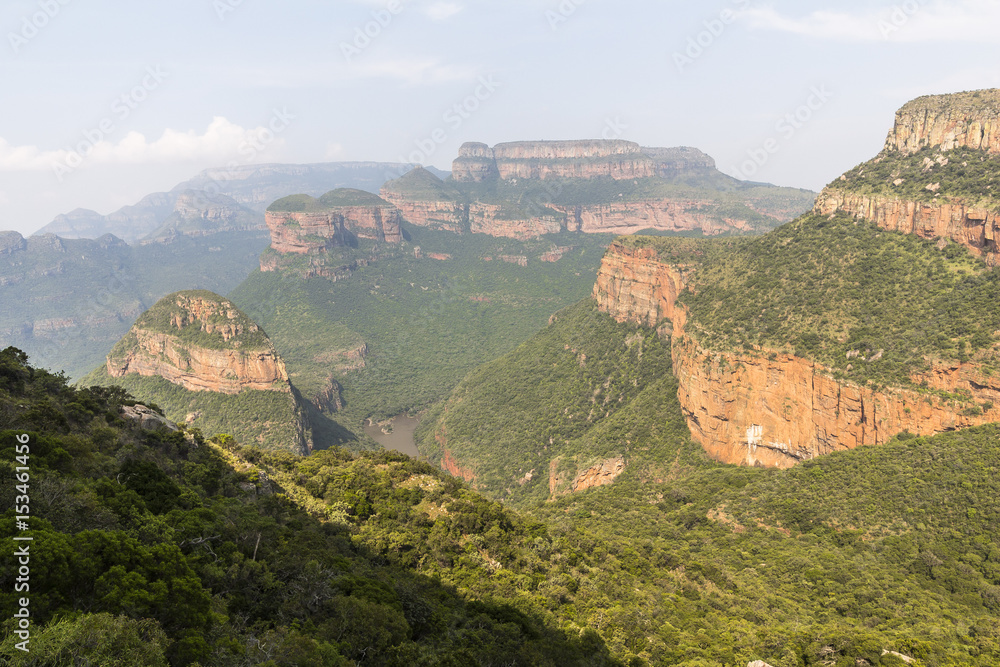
<point>401,439</point>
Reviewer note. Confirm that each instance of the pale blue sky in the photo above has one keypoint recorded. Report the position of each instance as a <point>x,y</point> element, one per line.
<point>200,78</point>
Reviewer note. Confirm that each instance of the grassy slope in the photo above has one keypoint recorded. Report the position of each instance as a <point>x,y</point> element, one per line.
<point>837,559</point>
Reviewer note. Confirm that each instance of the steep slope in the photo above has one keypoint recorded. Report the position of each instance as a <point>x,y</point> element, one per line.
<point>938,175</point>
<point>152,548</point>
<point>524,189</point>
<point>194,353</point>
<point>825,334</point>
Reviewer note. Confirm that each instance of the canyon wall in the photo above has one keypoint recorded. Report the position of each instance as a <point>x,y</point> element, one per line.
<point>976,228</point>
<point>773,409</point>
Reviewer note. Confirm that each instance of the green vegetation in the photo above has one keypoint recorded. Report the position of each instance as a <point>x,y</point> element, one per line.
<point>873,305</point>
<point>155,548</point>
<point>67,302</point>
<point>930,175</point>
<point>726,198</point>
<point>266,419</point>
<point>351,197</point>
<point>332,199</point>
<point>224,320</point>
<point>548,398</point>
<point>835,561</point>
<point>426,322</point>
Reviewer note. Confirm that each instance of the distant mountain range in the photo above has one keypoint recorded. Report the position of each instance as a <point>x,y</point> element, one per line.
<point>221,200</point>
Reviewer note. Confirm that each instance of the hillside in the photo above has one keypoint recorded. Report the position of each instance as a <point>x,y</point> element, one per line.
<point>209,365</point>
<point>834,561</point>
<point>67,302</point>
<point>222,198</point>
<point>826,334</point>
<point>176,550</point>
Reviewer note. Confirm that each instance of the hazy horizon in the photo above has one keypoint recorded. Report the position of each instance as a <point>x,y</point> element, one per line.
<point>107,102</point>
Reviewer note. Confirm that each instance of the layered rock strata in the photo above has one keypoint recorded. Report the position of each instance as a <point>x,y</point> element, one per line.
<point>615,159</point>
<point>201,342</point>
<point>303,225</point>
<point>774,409</point>
<point>941,122</point>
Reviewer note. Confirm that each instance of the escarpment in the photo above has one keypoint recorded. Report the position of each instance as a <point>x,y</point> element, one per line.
<point>526,189</point>
<point>771,407</point>
<point>937,175</point>
<point>202,342</point>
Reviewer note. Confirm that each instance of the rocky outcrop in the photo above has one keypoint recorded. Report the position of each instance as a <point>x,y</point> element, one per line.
<point>147,418</point>
<point>601,474</point>
<point>775,409</point>
<point>202,342</point>
<point>634,285</point>
<point>976,228</point>
<point>303,225</point>
<point>449,463</point>
<point>942,122</point>
<point>587,159</point>
<point>672,215</point>
<point>962,120</point>
<point>478,162</point>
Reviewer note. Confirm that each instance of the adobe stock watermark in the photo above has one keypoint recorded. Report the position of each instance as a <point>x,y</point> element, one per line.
<point>561,14</point>
<point>121,108</point>
<point>22,554</point>
<point>225,7</point>
<point>786,127</point>
<point>365,35</point>
<point>32,25</point>
<point>899,17</point>
<point>714,28</point>
<point>454,117</point>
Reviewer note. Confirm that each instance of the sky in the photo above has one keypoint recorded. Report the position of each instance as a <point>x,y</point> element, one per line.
<point>105,101</point>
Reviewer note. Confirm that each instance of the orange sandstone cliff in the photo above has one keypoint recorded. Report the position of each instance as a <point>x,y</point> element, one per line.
<point>770,408</point>
<point>202,342</point>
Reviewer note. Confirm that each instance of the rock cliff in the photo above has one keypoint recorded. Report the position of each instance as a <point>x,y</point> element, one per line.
<point>976,228</point>
<point>772,408</point>
<point>517,208</point>
<point>970,119</point>
<point>202,342</point>
<point>300,224</point>
<point>588,159</point>
<point>949,132</point>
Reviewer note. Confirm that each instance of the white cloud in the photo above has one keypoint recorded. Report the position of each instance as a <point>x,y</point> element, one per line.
<point>221,140</point>
<point>334,151</point>
<point>913,21</point>
<point>440,11</point>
